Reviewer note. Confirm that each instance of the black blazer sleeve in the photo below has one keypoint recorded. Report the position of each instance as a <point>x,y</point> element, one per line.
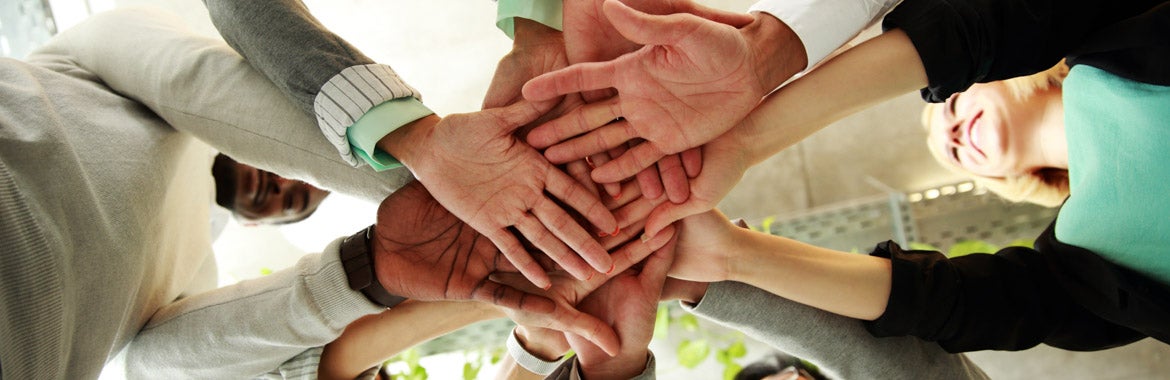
<point>962,42</point>
<point>1007,301</point>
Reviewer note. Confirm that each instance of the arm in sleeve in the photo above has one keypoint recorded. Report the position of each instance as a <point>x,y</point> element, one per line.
<point>249,328</point>
<point>571,370</point>
<point>962,42</point>
<point>837,344</point>
<point>200,86</point>
<point>322,74</point>
<point>1007,301</point>
<point>825,25</point>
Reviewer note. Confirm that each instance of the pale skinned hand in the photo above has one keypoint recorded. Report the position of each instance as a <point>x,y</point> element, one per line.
<point>706,243</point>
<point>693,82</point>
<point>567,292</point>
<point>478,169</point>
<point>628,302</point>
<point>590,37</point>
<point>537,49</point>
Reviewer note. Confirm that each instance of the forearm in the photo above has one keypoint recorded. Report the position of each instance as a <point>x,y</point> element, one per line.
<point>203,88</point>
<point>844,85</point>
<point>251,327</point>
<point>838,345</point>
<point>372,339</point>
<point>849,284</point>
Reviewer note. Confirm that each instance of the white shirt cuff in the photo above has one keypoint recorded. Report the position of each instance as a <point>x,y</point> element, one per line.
<point>825,25</point>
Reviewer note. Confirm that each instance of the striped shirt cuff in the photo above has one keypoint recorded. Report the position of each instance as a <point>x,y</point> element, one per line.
<point>346,97</point>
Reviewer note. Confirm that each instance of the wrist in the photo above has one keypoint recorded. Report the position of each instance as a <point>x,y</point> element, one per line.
<point>777,52</point>
<point>626,365</point>
<point>544,344</point>
<point>409,142</point>
<point>741,259</point>
<point>529,32</point>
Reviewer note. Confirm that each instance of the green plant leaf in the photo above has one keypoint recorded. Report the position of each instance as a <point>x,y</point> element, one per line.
<point>967,247</point>
<point>662,322</point>
<point>731,370</point>
<point>1026,243</point>
<point>497,355</point>
<point>689,322</point>
<point>417,373</point>
<point>411,357</point>
<point>766,225</point>
<point>265,271</point>
<point>722,357</point>
<point>916,246</point>
<point>691,353</point>
<point>737,349</point>
<point>470,372</point>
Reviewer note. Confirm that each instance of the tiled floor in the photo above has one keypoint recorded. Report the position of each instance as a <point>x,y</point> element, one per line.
<point>858,157</point>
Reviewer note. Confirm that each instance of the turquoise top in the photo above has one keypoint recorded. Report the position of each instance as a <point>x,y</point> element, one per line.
<point>1119,170</point>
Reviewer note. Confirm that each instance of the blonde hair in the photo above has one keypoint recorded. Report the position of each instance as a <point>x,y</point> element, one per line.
<point>1045,187</point>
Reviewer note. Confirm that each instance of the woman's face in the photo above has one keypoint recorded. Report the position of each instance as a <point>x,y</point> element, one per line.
<point>983,130</point>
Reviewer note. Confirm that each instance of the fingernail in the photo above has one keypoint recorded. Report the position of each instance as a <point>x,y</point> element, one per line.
<point>590,276</point>
<point>547,287</point>
<point>645,238</point>
<point>616,196</point>
<point>589,161</point>
<point>616,231</point>
<point>602,234</point>
<point>612,266</point>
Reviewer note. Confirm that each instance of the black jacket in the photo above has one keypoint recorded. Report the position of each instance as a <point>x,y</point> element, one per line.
<point>1057,294</point>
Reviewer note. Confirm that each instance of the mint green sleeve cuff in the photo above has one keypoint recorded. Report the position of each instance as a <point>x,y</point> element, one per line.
<point>547,12</point>
<point>378,122</point>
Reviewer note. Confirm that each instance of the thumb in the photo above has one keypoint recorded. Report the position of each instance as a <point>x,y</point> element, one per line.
<point>735,19</point>
<point>647,29</point>
<point>521,113</point>
<point>667,213</point>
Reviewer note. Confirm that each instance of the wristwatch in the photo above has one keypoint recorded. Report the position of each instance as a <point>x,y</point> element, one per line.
<point>358,260</point>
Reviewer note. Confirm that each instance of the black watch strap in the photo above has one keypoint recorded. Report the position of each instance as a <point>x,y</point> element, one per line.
<point>358,260</point>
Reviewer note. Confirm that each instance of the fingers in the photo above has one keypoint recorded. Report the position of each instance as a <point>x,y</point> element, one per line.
<point>590,328</point>
<point>519,257</point>
<point>667,213</point>
<point>506,296</point>
<point>575,78</point>
<point>639,157</point>
<point>535,230</point>
<point>692,160</point>
<point>613,190</point>
<point>650,183</point>
<point>636,211</point>
<point>597,141</point>
<point>520,113</point>
<point>674,178</point>
<point>579,170</point>
<point>658,264</point>
<point>576,196</point>
<point>580,120</point>
<point>735,19</point>
<point>636,250</point>
<point>647,29</point>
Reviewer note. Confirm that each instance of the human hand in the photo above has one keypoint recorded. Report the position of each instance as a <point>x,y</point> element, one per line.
<point>706,248</point>
<point>628,302</point>
<point>567,292</point>
<point>590,37</point>
<point>476,168</point>
<point>423,252</point>
<point>537,49</point>
<point>695,72</point>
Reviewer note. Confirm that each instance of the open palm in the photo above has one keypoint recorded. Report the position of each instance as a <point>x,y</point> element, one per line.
<point>692,82</point>
<point>488,178</point>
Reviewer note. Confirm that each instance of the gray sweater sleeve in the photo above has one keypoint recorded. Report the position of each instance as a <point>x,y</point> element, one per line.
<point>203,88</point>
<point>249,328</point>
<point>838,345</point>
<point>321,73</point>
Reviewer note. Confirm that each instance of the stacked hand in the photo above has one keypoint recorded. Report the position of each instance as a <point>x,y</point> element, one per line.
<point>692,82</point>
